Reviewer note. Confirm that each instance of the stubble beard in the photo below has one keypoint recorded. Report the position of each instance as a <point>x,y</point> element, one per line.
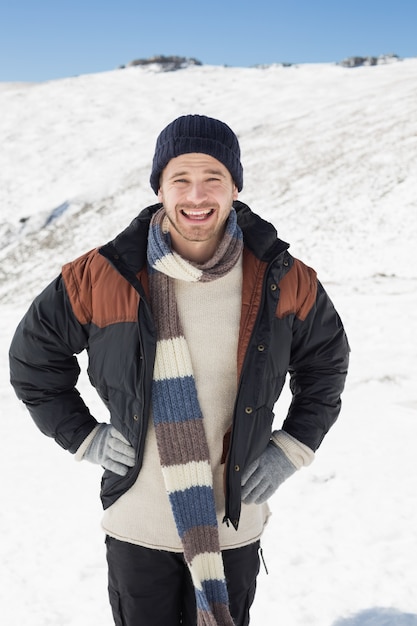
<point>196,232</point>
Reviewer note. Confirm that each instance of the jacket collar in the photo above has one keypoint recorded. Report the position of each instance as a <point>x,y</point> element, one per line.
<point>259,236</point>
<point>129,247</point>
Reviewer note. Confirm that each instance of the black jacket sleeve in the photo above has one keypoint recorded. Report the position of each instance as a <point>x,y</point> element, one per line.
<point>318,369</point>
<point>44,369</point>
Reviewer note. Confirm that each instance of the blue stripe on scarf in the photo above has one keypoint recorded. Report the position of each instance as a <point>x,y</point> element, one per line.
<point>214,589</point>
<point>175,400</point>
<point>159,244</point>
<point>202,601</point>
<point>186,515</point>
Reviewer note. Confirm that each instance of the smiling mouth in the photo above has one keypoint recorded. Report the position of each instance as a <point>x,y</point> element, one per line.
<point>197,215</point>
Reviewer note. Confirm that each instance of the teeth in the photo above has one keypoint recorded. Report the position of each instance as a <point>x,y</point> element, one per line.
<point>197,213</point>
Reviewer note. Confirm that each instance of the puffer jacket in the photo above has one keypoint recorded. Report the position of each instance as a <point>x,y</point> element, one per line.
<point>100,303</point>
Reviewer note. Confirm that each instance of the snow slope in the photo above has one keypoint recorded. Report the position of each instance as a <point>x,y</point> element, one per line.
<point>330,158</point>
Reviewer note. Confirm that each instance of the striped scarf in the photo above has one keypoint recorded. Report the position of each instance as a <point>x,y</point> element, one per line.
<point>178,419</point>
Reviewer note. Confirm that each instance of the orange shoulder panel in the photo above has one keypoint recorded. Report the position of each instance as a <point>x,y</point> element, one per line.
<point>98,293</point>
<point>298,290</point>
<point>253,273</point>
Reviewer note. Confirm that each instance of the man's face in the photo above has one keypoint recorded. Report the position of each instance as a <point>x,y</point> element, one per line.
<point>197,192</point>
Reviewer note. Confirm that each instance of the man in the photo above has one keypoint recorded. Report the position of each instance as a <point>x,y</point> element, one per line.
<point>192,317</point>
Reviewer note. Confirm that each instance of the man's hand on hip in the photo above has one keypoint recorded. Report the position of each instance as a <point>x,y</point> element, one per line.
<point>111,450</point>
<point>263,477</point>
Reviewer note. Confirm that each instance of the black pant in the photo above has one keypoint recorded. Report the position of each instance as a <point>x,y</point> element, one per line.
<point>153,587</point>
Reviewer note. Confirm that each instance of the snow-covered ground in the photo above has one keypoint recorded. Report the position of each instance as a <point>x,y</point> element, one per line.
<point>330,156</point>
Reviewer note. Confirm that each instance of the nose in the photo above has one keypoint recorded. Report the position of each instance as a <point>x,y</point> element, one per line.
<point>196,192</point>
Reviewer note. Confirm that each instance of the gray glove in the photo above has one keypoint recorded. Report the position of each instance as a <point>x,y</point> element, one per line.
<point>263,477</point>
<point>111,450</point>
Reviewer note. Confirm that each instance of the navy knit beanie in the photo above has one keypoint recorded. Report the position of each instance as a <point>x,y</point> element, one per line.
<point>197,133</point>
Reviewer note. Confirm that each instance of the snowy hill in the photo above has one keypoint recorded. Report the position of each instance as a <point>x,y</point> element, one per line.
<point>330,156</point>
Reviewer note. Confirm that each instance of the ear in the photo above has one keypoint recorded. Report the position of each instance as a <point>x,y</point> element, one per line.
<point>160,195</point>
<point>235,192</point>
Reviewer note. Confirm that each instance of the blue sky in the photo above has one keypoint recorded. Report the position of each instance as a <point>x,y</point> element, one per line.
<point>47,39</point>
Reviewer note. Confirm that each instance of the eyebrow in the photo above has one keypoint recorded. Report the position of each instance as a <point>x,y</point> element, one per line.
<point>210,170</point>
